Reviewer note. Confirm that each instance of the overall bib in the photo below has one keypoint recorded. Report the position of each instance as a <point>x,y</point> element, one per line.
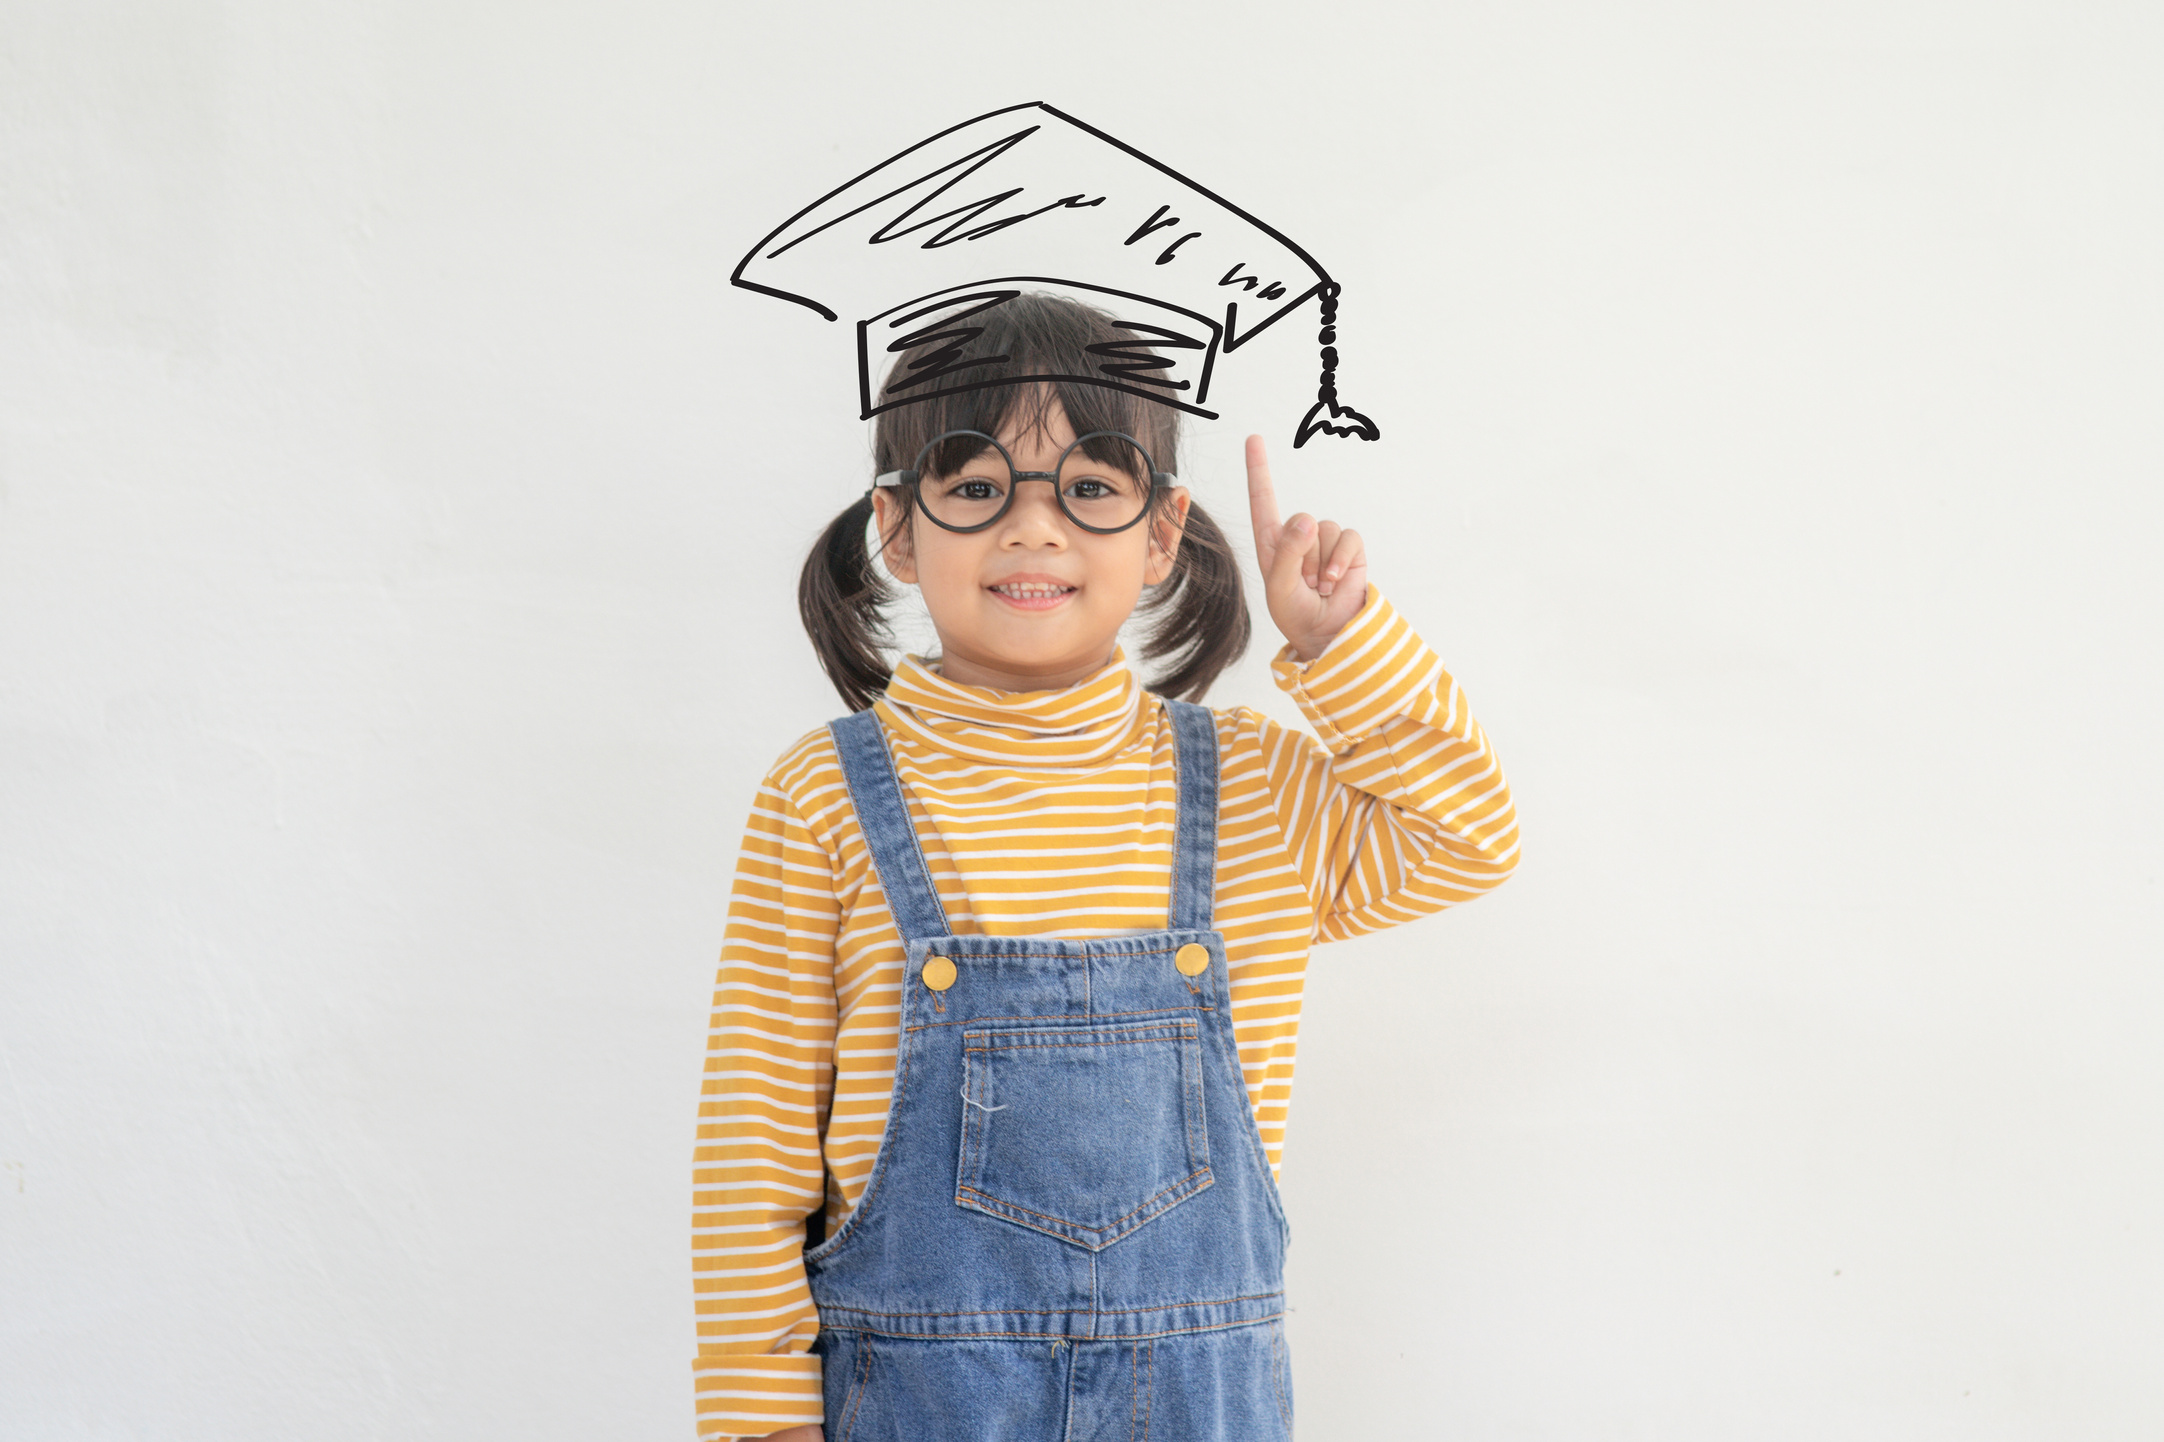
<point>1070,1232</point>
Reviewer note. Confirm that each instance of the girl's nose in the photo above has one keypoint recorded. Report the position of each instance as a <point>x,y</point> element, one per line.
<point>1034,519</point>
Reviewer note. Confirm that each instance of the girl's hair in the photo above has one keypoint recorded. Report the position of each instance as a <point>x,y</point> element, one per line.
<point>1195,620</point>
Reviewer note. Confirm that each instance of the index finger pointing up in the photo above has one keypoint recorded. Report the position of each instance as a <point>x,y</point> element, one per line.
<point>1261,501</point>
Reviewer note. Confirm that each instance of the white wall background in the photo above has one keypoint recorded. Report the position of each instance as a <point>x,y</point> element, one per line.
<point>398,516</point>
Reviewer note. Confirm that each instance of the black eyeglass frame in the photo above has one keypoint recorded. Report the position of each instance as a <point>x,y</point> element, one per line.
<point>1158,480</point>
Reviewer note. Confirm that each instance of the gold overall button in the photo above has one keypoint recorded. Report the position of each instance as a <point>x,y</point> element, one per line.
<point>938,973</point>
<point>1192,959</point>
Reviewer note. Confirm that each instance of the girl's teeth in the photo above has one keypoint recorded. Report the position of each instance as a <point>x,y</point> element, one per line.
<point>1030,592</point>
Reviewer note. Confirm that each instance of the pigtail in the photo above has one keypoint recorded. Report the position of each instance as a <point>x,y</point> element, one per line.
<point>1197,621</point>
<point>839,594</point>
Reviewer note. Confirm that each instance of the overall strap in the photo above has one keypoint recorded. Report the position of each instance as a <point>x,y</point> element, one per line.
<point>876,792</point>
<point>1194,833</point>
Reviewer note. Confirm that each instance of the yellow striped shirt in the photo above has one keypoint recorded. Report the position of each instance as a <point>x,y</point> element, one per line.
<point>1040,813</point>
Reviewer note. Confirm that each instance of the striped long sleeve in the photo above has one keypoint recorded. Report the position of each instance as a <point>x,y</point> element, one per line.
<point>762,1109</point>
<point>1044,813</point>
<point>1402,809</point>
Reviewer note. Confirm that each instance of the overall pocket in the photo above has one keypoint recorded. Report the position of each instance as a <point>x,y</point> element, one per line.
<point>1083,1130</point>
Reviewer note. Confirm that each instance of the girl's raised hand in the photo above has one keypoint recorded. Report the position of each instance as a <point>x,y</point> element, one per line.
<point>1315,574</point>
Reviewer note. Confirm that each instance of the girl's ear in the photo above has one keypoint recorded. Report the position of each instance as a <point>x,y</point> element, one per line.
<point>1165,528</point>
<point>890,516</point>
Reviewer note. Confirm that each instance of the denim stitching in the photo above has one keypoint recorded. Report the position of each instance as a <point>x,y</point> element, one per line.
<point>1084,1226</point>
<point>973,1123</point>
<point>1073,1232</point>
<point>1277,1375</point>
<point>856,1397</point>
<point>1150,1403</point>
<point>1040,1336</point>
<point>1089,1026</point>
<point>1182,1026</point>
<point>1072,1312</point>
<point>973,944</point>
<point>1195,1104</point>
<point>1175,1040</point>
<point>1055,1016</point>
<point>988,1202</point>
<point>1134,1396</point>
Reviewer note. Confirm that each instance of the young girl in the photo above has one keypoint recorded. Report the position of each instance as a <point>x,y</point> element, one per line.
<point>1003,1038</point>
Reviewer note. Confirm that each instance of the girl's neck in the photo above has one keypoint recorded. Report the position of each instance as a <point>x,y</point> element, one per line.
<point>964,672</point>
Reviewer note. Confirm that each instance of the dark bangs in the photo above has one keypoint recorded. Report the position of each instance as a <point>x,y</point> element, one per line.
<point>1044,334</point>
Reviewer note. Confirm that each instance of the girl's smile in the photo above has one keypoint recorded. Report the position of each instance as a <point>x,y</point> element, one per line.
<point>1032,591</point>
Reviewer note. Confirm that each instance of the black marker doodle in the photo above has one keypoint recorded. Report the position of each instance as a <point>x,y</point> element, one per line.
<point>1153,224</point>
<point>1030,198</point>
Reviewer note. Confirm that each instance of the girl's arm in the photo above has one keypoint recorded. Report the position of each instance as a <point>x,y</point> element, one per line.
<point>1402,809</point>
<point>759,1167</point>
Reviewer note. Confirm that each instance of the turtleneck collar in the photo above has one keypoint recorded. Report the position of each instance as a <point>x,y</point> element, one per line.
<point>1078,725</point>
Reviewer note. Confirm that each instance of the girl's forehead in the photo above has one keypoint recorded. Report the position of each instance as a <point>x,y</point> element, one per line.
<point>1036,421</point>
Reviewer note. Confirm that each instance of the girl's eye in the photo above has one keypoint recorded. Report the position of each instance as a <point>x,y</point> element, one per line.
<point>970,488</point>
<point>1092,488</point>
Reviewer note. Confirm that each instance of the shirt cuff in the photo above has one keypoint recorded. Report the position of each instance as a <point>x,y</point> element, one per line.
<point>751,1394</point>
<point>1374,669</point>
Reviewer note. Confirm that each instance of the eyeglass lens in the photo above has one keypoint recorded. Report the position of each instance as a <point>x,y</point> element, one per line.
<point>1104,481</point>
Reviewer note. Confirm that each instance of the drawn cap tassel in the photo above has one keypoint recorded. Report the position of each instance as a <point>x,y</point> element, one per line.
<point>1327,415</point>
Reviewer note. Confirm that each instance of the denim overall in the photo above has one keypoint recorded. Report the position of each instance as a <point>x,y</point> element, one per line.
<point>1070,1233</point>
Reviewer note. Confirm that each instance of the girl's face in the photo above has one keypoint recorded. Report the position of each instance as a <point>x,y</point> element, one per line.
<point>1033,602</point>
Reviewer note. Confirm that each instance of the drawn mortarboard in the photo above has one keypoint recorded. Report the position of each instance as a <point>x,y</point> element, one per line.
<point>1028,198</point>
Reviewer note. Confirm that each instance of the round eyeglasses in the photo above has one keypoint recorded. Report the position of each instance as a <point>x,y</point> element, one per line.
<point>965,481</point>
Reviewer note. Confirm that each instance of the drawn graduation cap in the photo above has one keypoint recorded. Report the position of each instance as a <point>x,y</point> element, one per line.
<point>1028,198</point>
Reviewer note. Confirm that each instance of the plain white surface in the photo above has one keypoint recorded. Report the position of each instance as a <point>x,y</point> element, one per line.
<point>398,519</point>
